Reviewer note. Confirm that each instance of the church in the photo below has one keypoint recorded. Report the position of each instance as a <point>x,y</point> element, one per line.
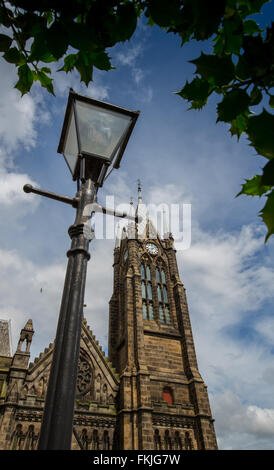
<point>148,393</point>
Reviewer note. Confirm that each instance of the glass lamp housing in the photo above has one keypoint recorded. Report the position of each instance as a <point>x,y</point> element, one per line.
<point>96,131</point>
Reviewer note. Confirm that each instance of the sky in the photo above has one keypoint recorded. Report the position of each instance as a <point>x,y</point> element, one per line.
<point>181,157</point>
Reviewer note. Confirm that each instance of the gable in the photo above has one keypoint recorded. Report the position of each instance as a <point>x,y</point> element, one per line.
<point>97,380</point>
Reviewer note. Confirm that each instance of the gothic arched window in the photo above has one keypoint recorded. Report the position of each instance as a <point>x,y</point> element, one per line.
<point>84,439</point>
<point>106,441</point>
<point>95,440</point>
<point>17,439</point>
<point>168,443</point>
<point>147,299</point>
<point>188,442</point>
<point>30,438</point>
<point>157,440</point>
<point>154,293</point>
<point>178,441</point>
<point>162,295</point>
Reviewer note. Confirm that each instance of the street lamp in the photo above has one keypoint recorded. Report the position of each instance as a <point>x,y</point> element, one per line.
<point>93,139</point>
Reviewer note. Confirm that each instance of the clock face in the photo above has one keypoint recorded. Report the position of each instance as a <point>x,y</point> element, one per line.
<point>152,249</point>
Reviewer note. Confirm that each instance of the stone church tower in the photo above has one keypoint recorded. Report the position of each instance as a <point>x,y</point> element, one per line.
<point>148,394</point>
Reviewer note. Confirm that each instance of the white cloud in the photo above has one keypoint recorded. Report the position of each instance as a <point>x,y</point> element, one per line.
<point>11,191</point>
<point>138,75</point>
<point>146,94</point>
<point>21,299</point>
<point>229,280</point>
<point>240,425</point>
<point>228,284</point>
<point>18,119</point>
<point>265,327</point>
<point>17,115</point>
<point>21,281</point>
<point>129,55</point>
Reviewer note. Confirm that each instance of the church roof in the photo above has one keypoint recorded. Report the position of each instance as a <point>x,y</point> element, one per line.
<point>90,346</point>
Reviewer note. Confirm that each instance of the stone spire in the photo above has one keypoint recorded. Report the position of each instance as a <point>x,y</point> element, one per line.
<point>118,236</point>
<point>19,364</point>
<point>26,335</point>
<point>140,200</point>
<point>131,222</point>
<point>141,214</point>
<point>166,231</point>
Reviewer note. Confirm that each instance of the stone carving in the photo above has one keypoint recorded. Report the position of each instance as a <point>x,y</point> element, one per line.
<point>84,377</point>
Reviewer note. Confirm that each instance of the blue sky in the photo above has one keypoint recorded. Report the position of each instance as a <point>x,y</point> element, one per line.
<point>181,157</point>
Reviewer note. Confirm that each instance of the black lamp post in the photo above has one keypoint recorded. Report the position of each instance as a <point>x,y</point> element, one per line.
<point>93,140</point>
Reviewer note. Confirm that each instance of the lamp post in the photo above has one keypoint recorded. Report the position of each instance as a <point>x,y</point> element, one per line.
<point>93,139</point>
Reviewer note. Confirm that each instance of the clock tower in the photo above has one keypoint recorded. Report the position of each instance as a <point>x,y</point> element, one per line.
<point>162,399</point>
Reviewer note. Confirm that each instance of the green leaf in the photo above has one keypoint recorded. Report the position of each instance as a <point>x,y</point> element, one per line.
<point>45,81</point>
<point>268,173</point>
<point>260,131</point>
<point>197,92</point>
<point>248,7</point>
<point>49,16</point>
<point>253,187</point>
<point>233,32</point>
<point>233,24</point>
<point>6,16</point>
<point>126,21</point>
<point>258,54</point>
<point>234,103</point>
<point>255,96</point>
<point>267,214</point>
<point>239,125</point>
<point>271,101</point>
<point>204,21</point>
<point>233,43</point>
<point>69,63</point>
<point>46,69</point>
<point>217,70</point>
<point>40,51</point>
<point>219,41</point>
<point>84,62</point>
<point>243,70</point>
<point>47,57</point>
<point>80,37</point>
<point>14,56</point>
<point>164,12</point>
<point>251,27</point>
<point>5,42</point>
<point>25,79</point>
<point>57,40</point>
<point>229,10</point>
<point>84,66</point>
<point>101,60</point>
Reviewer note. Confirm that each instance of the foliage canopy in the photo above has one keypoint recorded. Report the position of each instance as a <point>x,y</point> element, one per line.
<point>240,68</point>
